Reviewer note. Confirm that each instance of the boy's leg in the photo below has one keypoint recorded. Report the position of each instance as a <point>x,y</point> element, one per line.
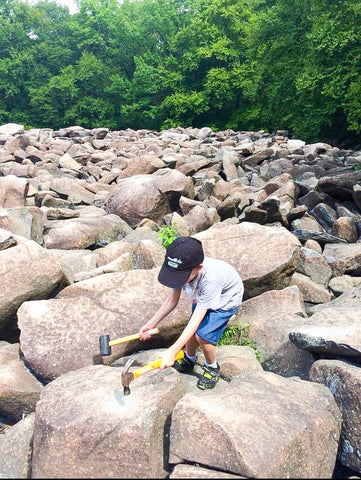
<point>186,364</point>
<point>208,349</point>
<point>191,346</point>
<point>208,336</point>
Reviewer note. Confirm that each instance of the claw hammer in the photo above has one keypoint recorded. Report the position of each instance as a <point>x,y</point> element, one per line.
<point>105,343</point>
<point>128,376</point>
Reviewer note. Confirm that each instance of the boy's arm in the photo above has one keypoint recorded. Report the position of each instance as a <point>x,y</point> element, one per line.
<point>167,306</point>
<point>187,334</point>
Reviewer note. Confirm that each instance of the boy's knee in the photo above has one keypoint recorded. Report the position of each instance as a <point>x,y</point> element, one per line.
<point>199,339</point>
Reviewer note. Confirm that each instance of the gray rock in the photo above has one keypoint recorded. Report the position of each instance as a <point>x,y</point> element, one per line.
<point>27,272</point>
<point>83,232</point>
<point>19,389</point>
<point>239,244</point>
<point>311,291</point>
<point>344,381</point>
<point>270,317</point>
<point>16,449</point>
<point>195,471</point>
<point>72,190</point>
<point>315,266</point>
<point>80,314</point>
<point>257,157</point>
<point>349,299</point>
<point>13,191</point>
<point>340,186</point>
<point>342,284</point>
<point>27,222</point>
<point>349,253</point>
<point>325,215</point>
<point>155,193</point>
<point>320,237</point>
<point>254,437</point>
<point>87,428</point>
<point>331,331</point>
<point>11,129</point>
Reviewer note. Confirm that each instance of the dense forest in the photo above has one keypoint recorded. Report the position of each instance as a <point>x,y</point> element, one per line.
<point>228,64</point>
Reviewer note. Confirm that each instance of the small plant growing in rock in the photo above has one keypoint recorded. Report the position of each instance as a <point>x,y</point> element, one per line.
<point>167,234</point>
<point>239,335</point>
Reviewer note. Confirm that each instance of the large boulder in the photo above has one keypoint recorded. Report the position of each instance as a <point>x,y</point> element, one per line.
<point>87,428</point>
<point>83,232</point>
<point>344,381</point>
<point>72,190</point>
<point>260,426</point>
<point>331,331</point>
<point>233,360</point>
<point>141,165</point>
<point>339,186</point>
<point>315,266</point>
<point>19,389</point>
<point>27,272</point>
<point>11,129</point>
<point>27,222</point>
<point>62,334</point>
<point>247,247</point>
<point>312,292</point>
<point>156,195</point>
<point>16,449</point>
<point>349,253</point>
<point>269,318</point>
<point>349,299</point>
<point>13,191</point>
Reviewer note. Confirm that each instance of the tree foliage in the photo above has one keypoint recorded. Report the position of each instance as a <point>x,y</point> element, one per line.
<point>241,64</point>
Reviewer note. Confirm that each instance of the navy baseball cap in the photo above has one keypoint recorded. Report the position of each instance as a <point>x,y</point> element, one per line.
<point>182,255</point>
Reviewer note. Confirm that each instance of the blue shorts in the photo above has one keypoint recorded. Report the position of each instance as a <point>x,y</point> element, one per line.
<point>214,324</point>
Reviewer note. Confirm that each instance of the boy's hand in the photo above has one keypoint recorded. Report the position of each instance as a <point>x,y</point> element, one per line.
<point>168,358</point>
<point>143,331</point>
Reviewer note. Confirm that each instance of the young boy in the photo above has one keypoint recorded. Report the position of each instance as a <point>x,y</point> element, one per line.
<point>216,291</point>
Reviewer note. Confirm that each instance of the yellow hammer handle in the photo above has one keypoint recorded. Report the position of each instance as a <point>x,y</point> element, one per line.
<point>129,338</point>
<point>154,365</point>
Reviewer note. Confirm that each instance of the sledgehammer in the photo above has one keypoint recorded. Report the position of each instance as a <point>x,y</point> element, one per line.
<point>105,343</point>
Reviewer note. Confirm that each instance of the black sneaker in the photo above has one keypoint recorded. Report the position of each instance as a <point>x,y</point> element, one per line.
<point>209,378</point>
<point>184,365</point>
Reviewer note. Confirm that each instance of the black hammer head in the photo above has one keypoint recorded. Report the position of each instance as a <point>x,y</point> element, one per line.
<point>104,346</point>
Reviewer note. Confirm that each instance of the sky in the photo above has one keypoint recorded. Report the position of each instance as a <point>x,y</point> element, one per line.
<point>66,3</point>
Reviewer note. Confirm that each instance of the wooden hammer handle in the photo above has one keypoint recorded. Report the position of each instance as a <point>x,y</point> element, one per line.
<point>154,365</point>
<point>136,336</point>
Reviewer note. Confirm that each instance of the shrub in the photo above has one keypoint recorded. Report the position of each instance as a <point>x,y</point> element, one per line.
<point>239,335</point>
<point>167,234</point>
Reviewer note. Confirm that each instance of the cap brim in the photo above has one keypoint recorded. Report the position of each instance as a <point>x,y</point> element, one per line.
<point>172,278</point>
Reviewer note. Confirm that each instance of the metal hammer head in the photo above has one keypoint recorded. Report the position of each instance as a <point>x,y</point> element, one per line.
<point>104,346</point>
<point>127,376</point>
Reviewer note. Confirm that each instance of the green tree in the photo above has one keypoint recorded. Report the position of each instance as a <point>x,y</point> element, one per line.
<point>32,49</point>
<point>241,64</point>
<point>155,70</point>
<point>303,67</point>
<point>210,53</point>
<point>330,81</point>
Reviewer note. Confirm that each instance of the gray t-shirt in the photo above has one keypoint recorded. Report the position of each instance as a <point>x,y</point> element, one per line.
<point>218,285</point>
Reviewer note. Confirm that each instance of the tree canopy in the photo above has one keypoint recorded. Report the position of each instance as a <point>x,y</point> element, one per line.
<point>239,64</point>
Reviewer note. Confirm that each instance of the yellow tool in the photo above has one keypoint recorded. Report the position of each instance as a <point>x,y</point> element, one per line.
<point>127,376</point>
<point>105,343</point>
